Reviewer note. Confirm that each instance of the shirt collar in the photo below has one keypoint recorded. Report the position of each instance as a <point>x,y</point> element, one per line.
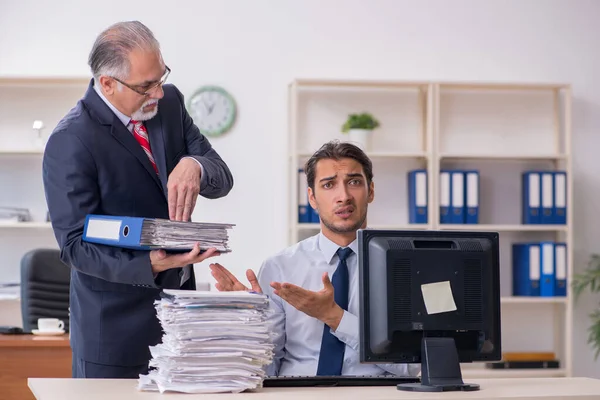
<point>122,117</point>
<point>329,249</point>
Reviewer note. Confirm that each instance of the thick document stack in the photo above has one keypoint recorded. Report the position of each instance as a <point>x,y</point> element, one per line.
<point>213,342</point>
<point>154,233</point>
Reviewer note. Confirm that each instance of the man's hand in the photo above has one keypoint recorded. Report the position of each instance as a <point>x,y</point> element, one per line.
<point>320,305</point>
<point>227,282</point>
<point>183,187</point>
<point>161,261</point>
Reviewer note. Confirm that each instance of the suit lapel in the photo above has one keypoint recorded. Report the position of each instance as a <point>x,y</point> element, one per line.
<point>122,134</point>
<point>157,144</point>
<point>107,118</point>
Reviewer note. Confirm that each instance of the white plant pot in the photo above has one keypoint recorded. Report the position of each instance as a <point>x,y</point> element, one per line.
<point>361,138</point>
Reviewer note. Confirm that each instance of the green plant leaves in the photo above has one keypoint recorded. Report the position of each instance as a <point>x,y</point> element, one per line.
<point>360,121</point>
<point>594,333</point>
<point>590,278</point>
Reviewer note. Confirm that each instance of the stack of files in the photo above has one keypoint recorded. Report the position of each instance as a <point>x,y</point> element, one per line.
<point>544,197</point>
<point>539,269</point>
<point>154,233</point>
<point>459,196</point>
<point>14,214</point>
<point>213,342</point>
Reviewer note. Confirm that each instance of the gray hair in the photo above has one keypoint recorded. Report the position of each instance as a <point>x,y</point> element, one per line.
<point>109,55</point>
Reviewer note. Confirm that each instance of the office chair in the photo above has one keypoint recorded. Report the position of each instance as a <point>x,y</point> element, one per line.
<point>45,282</point>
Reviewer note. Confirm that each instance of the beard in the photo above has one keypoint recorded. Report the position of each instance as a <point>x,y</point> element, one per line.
<point>345,228</point>
<point>140,115</point>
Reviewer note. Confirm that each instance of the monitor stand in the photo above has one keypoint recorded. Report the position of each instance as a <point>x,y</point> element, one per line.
<point>440,368</point>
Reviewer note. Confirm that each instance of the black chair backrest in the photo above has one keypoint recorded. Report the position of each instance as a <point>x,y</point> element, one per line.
<point>45,282</point>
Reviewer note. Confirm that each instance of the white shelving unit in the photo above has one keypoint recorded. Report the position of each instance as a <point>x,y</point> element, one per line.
<point>23,100</point>
<point>509,128</point>
<point>404,141</point>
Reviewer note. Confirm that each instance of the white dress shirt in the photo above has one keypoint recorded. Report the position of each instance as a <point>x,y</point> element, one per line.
<point>127,122</point>
<point>297,335</point>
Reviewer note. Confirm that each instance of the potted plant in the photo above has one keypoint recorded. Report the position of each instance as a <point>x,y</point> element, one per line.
<point>590,278</point>
<point>359,127</point>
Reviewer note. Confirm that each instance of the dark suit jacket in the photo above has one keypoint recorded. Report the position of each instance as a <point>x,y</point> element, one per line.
<point>93,164</point>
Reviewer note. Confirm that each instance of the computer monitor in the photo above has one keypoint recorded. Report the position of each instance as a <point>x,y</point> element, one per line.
<point>429,297</point>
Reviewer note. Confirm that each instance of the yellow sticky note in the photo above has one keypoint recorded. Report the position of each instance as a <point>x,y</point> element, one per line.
<point>438,297</point>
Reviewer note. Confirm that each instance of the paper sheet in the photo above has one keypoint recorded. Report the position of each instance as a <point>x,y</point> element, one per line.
<point>438,297</point>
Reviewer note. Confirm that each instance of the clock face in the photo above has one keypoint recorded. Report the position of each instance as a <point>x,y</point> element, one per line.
<point>213,110</point>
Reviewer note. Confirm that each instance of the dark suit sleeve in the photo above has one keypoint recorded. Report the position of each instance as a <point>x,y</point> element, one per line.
<point>217,180</point>
<point>71,187</point>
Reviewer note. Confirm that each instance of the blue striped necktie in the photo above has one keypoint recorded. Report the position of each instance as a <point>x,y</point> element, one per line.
<point>331,357</point>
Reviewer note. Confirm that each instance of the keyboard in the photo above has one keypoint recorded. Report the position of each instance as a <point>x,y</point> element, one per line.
<point>344,380</point>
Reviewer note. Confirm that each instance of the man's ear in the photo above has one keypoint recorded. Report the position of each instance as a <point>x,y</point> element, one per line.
<point>371,195</point>
<point>311,198</point>
<point>108,85</point>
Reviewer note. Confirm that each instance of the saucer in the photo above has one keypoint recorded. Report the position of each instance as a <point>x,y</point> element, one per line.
<point>55,332</point>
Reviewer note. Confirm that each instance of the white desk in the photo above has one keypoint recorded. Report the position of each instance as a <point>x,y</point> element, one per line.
<point>510,388</point>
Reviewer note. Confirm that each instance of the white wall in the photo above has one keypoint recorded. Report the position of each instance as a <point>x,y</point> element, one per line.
<point>255,48</point>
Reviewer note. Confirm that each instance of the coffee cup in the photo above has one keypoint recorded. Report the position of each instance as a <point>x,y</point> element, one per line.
<point>50,324</point>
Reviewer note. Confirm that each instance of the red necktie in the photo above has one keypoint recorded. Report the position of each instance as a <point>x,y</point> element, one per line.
<point>141,135</point>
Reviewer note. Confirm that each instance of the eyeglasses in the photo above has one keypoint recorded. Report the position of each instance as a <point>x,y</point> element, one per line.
<point>147,89</point>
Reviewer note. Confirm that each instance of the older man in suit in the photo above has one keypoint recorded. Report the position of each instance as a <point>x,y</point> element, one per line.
<point>127,148</point>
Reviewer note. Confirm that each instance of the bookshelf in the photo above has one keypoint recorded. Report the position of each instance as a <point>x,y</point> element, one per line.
<point>22,101</point>
<point>510,128</point>
<point>318,108</point>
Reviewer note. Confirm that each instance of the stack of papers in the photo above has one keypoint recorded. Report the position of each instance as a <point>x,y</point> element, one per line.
<point>155,233</point>
<point>162,233</point>
<point>213,342</point>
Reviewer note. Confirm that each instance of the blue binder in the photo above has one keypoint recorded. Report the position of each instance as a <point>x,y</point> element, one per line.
<point>560,198</point>
<point>457,204</point>
<point>471,197</point>
<point>526,269</point>
<point>560,269</point>
<point>303,206</point>
<point>115,231</point>
<point>532,193</point>
<point>445,191</point>
<point>547,210</point>
<point>547,278</point>
<point>417,196</point>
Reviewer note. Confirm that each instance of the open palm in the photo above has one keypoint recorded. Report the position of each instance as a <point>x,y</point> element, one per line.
<point>227,282</point>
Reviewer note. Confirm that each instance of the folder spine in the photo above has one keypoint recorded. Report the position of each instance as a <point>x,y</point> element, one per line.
<point>547,211</point>
<point>417,196</point>
<point>303,206</point>
<point>457,190</point>
<point>445,192</point>
<point>560,198</point>
<point>547,278</point>
<point>113,230</point>
<point>531,191</point>
<point>560,269</point>
<point>526,259</point>
<point>471,197</point>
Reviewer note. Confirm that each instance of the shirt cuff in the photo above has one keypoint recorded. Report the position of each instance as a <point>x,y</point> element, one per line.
<point>202,177</point>
<point>347,330</point>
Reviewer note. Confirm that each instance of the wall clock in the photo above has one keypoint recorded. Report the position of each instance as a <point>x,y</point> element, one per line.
<point>213,110</point>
